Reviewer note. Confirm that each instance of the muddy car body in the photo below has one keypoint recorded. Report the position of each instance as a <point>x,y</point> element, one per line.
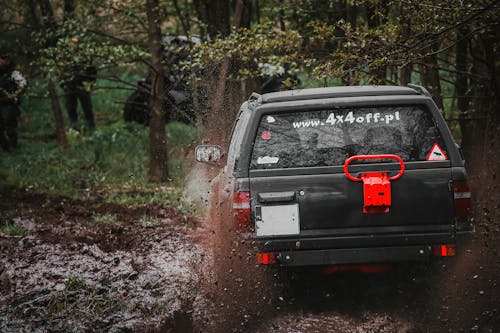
<point>344,175</point>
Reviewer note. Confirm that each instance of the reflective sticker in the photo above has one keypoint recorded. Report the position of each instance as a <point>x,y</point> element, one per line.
<point>436,154</point>
<point>266,135</point>
<point>267,160</point>
<point>337,119</point>
<point>270,119</point>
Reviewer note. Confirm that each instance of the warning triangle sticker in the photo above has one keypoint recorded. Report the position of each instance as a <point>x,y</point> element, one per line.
<point>436,154</point>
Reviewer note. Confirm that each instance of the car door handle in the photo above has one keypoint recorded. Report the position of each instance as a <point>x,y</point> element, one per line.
<point>276,196</point>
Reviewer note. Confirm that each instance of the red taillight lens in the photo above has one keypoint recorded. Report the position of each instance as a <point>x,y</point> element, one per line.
<point>241,209</point>
<point>462,198</point>
<point>443,250</point>
<point>267,258</point>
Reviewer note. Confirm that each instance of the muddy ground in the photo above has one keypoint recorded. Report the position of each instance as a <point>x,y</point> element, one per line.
<point>178,273</point>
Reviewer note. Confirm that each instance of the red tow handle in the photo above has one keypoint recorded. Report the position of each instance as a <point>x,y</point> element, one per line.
<point>374,157</point>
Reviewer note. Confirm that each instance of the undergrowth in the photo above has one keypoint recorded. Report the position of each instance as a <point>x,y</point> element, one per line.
<point>112,160</point>
<point>13,229</point>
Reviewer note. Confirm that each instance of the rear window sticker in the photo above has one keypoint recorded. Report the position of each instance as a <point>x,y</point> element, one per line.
<point>336,119</point>
<point>266,135</point>
<point>267,160</point>
<point>436,154</point>
<point>270,119</point>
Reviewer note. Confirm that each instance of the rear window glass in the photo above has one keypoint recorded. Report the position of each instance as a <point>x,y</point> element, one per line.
<point>329,137</point>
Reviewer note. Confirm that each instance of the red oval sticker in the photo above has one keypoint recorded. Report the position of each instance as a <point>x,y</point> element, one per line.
<point>266,135</point>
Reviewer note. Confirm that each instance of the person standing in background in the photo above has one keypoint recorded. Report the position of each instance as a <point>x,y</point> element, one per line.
<point>12,85</point>
<point>77,85</point>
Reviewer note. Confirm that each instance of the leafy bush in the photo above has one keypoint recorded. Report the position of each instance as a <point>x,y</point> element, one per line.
<point>13,229</point>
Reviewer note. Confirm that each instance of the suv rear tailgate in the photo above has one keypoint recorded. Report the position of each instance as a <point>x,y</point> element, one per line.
<point>303,196</point>
<point>329,200</point>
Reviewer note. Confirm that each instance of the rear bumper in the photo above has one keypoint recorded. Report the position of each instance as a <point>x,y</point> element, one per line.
<point>353,256</point>
<point>355,249</point>
<point>353,241</point>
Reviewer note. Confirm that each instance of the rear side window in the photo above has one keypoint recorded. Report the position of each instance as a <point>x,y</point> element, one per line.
<point>329,137</point>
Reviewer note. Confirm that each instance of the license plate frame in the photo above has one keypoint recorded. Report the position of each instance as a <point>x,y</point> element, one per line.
<point>277,220</point>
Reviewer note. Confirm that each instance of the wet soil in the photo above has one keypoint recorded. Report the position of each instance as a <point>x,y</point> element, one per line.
<point>70,273</point>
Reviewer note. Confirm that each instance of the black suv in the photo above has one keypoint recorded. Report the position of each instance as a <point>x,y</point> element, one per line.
<point>343,175</point>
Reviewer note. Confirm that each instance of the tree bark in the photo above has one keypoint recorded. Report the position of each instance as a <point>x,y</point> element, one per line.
<point>158,169</point>
<point>31,14</point>
<point>183,18</point>
<point>430,74</point>
<point>218,17</point>
<point>56,109</point>
<point>47,14</point>
<point>405,74</point>
<point>461,84</point>
<point>69,9</point>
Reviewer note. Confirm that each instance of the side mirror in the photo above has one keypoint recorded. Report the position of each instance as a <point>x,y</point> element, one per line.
<point>211,154</point>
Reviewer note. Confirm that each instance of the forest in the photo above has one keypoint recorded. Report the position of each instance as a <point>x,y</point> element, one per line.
<point>103,215</point>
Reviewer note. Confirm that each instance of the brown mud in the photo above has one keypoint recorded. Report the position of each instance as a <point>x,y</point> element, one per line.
<point>70,273</point>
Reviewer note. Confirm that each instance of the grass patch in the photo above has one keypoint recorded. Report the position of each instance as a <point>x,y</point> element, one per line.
<point>80,303</point>
<point>149,221</point>
<point>75,282</point>
<point>147,195</point>
<point>13,229</point>
<point>104,218</point>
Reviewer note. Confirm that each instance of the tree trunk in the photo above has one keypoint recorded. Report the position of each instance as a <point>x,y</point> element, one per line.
<point>405,74</point>
<point>461,84</point>
<point>56,108</point>
<point>430,74</point>
<point>69,9</point>
<point>47,14</point>
<point>183,18</point>
<point>158,169</point>
<point>32,18</point>
<point>218,17</point>
<point>218,102</point>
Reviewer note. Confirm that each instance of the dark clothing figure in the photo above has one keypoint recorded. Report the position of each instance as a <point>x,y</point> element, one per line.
<point>8,125</point>
<point>78,87</point>
<point>12,84</point>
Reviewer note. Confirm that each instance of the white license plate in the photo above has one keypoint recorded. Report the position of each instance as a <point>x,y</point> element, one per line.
<point>277,220</point>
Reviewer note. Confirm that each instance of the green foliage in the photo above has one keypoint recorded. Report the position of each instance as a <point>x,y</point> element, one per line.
<point>104,218</point>
<point>13,229</point>
<point>75,282</point>
<point>248,48</point>
<point>145,194</point>
<point>80,301</point>
<point>60,57</point>
<point>149,222</point>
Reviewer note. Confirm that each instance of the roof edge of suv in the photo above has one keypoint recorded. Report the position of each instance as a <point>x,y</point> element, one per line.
<point>337,92</point>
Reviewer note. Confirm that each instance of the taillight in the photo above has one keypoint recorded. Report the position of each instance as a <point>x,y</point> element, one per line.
<point>241,209</point>
<point>462,198</point>
<point>443,250</point>
<point>267,258</point>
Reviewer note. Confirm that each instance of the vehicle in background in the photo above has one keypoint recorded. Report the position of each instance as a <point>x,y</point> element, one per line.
<point>179,104</point>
